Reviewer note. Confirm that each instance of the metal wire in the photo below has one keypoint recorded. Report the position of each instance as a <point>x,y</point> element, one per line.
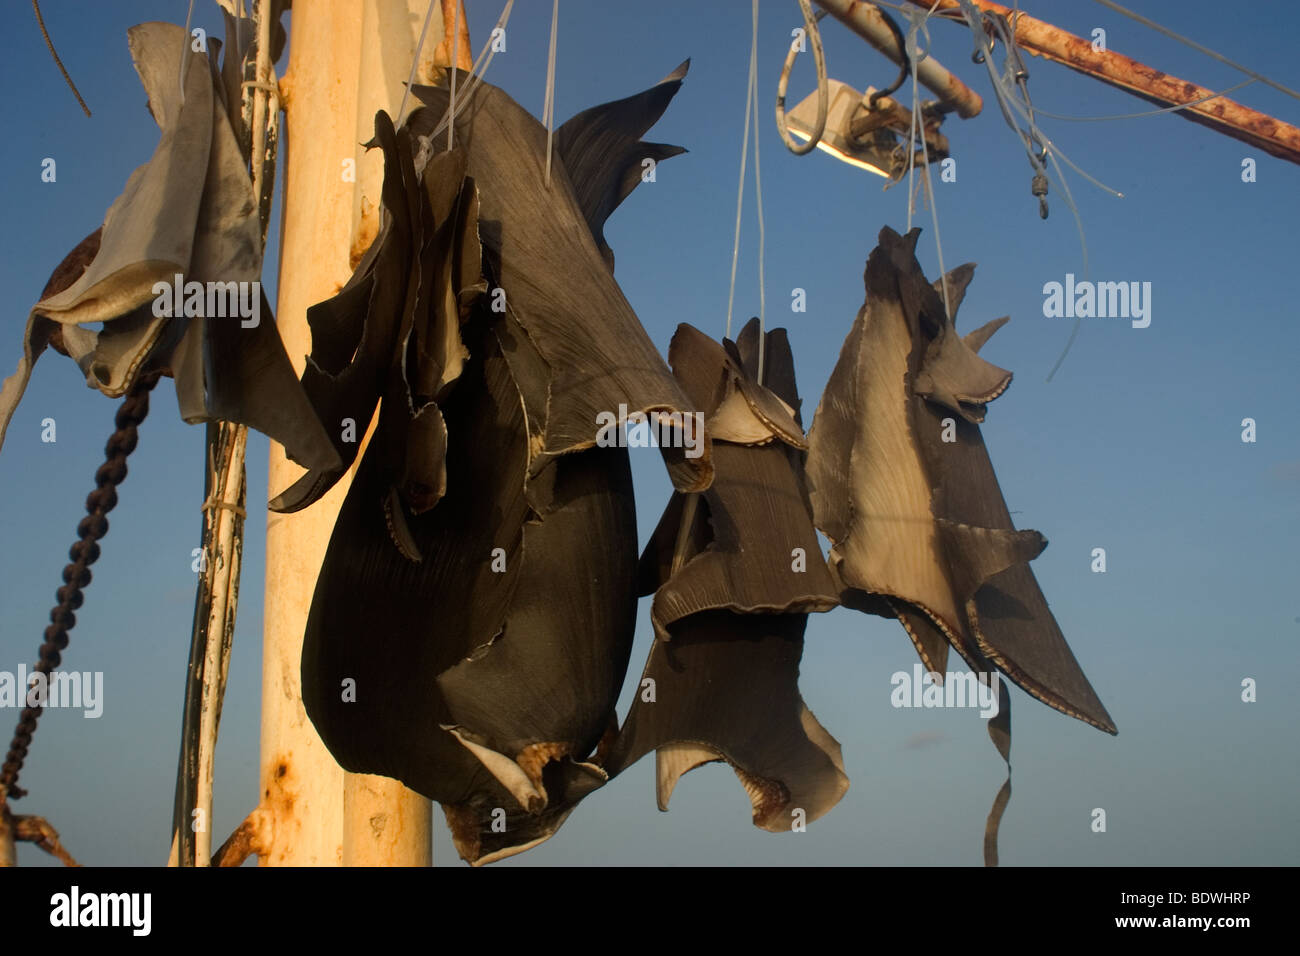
<point>40,21</point>
<point>823,91</point>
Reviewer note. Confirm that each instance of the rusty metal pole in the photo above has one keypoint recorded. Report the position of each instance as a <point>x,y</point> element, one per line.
<point>348,59</point>
<point>866,21</point>
<point>1114,69</point>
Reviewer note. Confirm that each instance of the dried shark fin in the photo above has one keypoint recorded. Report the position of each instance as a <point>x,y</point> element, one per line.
<point>354,332</point>
<point>547,683</point>
<point>541,250</point>
<point>394,330</point>
<point>726,690</point>
<point>427,616</point>
<point>1000,734</point>
<point>190,212</point>
<point>733,593</point>
<point>1010,622</point>
<point>505,646</point>
<point>506,643</point>
<point>602,149</point>
<point>736,408</point>
<point>492,827</point>
<point>880,469</point>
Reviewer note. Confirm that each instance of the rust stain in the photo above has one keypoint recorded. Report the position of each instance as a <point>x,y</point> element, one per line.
<point>365,235</point>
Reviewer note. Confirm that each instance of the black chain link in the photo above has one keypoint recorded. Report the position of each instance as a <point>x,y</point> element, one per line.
<point>76,575</point>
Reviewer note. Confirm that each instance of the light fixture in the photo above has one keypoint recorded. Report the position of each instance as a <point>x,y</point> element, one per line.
<point>864,134</point>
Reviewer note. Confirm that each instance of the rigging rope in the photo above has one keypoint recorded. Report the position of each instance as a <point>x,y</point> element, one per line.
<point>758,202</point>
<point>813,33</point>
<point>548,112</point>
<point>185,49</point>
<point>1145,113</point>
<point>479,68</point>
<point>1200,49</point>
<point>40,21</point>
<point>453,50</point>
<point>750,86</point>
<point>917,22</point>
<point>415,64</point>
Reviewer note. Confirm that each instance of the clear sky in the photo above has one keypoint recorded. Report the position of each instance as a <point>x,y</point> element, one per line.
<point>1135,446</point>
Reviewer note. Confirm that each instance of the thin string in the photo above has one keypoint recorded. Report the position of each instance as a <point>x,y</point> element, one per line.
<point>549,111</point>
<point>415,62</point>
<point>750,96</point>
<point>1125,116</point>
<point>917,22</point>
<point>185,49</point>
<point>479,69</point>
<point>453,45</point>
<point>758,201</point>
<point>49,44</point>
<point>1200,49</point>
<point>1010,103</point>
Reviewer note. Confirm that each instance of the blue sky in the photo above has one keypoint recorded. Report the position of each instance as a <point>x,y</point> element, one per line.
<point>1135,445</point>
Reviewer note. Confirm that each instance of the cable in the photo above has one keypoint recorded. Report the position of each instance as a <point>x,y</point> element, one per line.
<point>904,67</point>
<point>478,70</point>
<point>758,202</point>
<point>750,86</point>
<point>1196,46</point>
<point>415,61</point>
<point>40,21</point>
<point>916,21</point>
<point>185,49</point>
<point>549,109</point>
<point>823,91</point>
<point>453,49</point>
<point>1146,113</point>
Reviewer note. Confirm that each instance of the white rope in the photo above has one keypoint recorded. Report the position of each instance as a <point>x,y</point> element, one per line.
<point>185,49</point>
<point>758,201</point>
<point>549,110</point>
<point>415,62</point>
<point>1201,49</point>
<point>917,22</point>
<point>1127,116</point>
<point>453,47</point>
<point>479,69</point>
<point>1009,102</point>
<point>750,96</point>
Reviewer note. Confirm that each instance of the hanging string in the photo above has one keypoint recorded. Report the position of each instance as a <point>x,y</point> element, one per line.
<point>478,70</point>
<point>40,21</point>
<point>185,49</point>
<point>453,46</point>
<point>758,194</point>
<point>750,95</point>
<point>813,32</point>
<point>917,22</point>
<point>549,111</point>
<point>415,63</point>
<point>1200,49</point>
<point>1145,113</point>
<point>1038,145</point>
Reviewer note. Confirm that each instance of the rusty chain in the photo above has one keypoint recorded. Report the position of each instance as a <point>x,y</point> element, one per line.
<point>76,575</point>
